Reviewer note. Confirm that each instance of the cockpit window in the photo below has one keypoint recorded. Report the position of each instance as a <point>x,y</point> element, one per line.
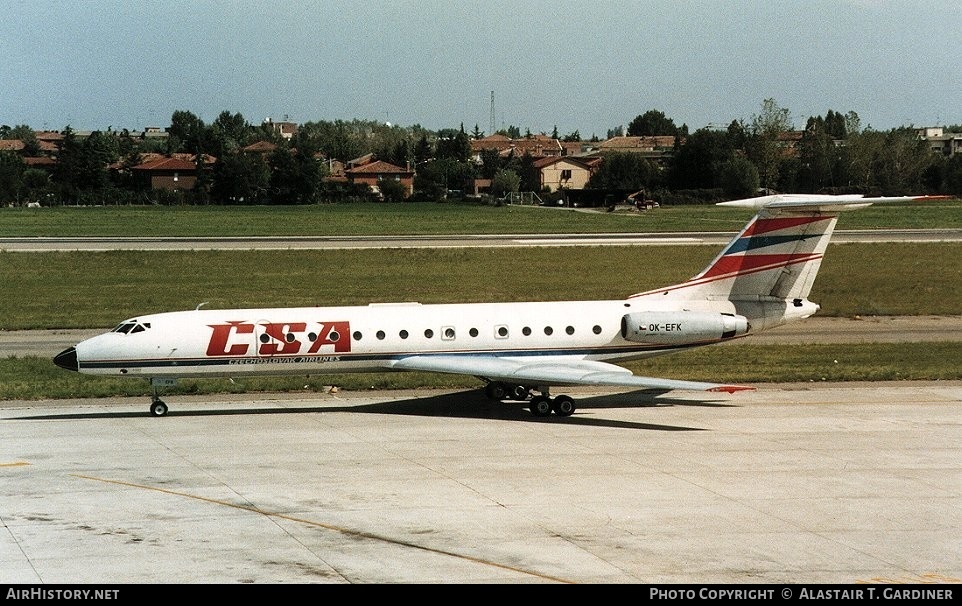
<point>131,327</point>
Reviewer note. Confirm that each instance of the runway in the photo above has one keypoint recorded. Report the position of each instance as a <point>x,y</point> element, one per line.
<point>812,483</point>
<point>95,243</point>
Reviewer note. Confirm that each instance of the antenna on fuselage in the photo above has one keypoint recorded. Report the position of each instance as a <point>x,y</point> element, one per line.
<point>199,305</point>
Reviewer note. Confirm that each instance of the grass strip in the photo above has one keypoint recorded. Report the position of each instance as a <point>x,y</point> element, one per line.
<point>99,289</point>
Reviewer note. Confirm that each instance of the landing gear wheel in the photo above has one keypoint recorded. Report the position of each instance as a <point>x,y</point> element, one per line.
<point>563,406</point>
<point>520,393</point>
<point>494,390</point>
<point>158,408</point>
<point>541,406</point>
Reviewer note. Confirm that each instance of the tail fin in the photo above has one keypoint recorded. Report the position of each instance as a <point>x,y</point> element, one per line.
<point>778,254</point>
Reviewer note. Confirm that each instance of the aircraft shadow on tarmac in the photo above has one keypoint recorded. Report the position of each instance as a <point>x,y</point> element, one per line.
<point>471,404</point>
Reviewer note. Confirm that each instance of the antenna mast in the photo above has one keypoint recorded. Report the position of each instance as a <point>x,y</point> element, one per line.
<point>491,126</point>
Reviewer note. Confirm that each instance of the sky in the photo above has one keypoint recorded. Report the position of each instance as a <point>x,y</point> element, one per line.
<point>584,65</point>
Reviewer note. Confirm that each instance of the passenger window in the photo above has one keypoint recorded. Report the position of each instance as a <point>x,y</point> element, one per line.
<point>548,330</point>
<point>473,332</point>
<point>428,333</point>
<point>596,329</point>
<point>447,333</point>
<point>403,334</point>
<point>380,335</point>
<point>357,335</point>
<point>501,332</point>
<point>526,331</point>
<point>570,330</point>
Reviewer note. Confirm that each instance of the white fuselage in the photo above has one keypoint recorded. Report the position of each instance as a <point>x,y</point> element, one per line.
<point>315,340</point>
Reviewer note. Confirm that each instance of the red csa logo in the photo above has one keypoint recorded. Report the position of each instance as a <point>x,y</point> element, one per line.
<point>273,338</point>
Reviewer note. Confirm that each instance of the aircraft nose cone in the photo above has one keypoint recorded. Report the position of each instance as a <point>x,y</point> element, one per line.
<point>67,359</point>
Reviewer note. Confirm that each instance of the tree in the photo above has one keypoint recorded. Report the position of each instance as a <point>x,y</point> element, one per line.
<point>953,175</point>
<point>763,146</point>
<point>652,123</point>
<point>453,144</point>
<point>624,170</point>
<point>392,190</point>
<point>490,163</point>
<point>96,152</point>
<point>739,177</point>
<point>229,133</point>
<point>697,163</point>
<point>31,147</point>
<point>902,162</point>
<point>422,151</point>
<point>524,167</point>
<point>505,182</point>
<point>296,178</point>
<point>239,178</point>
<point>435,177</point>
<point>818,155</point>
<point>186,132</point>
<point>12,168</point>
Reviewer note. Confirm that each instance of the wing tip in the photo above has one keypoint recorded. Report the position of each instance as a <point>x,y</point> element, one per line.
<point>731,388</point>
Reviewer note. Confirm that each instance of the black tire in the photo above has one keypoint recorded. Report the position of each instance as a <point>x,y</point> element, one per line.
<point>540,406</point>
<point>520,393</point>
<point>563,406</point>
<point>158,408</point>
<point>494,391</point>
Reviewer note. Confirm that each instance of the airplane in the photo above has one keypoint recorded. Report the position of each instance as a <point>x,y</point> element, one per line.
<point>760,280</point>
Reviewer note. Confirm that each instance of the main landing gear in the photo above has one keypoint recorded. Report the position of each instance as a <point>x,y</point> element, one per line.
<point>542,405</point>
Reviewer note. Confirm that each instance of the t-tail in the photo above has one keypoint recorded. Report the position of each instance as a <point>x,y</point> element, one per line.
<point>767,271</point>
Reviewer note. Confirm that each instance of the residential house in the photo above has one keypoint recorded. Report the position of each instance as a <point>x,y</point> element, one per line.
<point>562,172</point>
<point>373,172</point>
<point>940,142</point>
<point>176,172</point>
<point>657,148</point>
<point>287,130</point>
<point>265,148</point>
<point>536,146</point>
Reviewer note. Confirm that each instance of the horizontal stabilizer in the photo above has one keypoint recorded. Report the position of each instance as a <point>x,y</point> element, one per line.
<point>820,202</point>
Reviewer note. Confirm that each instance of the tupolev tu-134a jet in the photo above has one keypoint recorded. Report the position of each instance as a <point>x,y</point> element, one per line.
<point>761,279</point>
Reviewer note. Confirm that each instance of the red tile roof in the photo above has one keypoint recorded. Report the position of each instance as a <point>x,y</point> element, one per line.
<point>260,147</point>
<point>184,162</point>
<point>379,167</point>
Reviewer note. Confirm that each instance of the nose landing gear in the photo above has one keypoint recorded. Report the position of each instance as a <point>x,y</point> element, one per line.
<point>158,408</point>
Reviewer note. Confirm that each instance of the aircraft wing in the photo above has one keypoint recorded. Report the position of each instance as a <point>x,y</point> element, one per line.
<point>540,371</point>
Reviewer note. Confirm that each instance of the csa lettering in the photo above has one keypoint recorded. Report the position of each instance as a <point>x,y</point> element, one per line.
<point>222,334</point>
<point>234,338</point>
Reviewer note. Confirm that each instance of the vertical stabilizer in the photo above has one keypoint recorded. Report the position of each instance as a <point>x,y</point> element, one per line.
<point>777,255</point>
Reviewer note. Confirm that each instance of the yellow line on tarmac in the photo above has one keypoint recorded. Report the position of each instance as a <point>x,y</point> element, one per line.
<point>14,464</point>
<point>342,530</point>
